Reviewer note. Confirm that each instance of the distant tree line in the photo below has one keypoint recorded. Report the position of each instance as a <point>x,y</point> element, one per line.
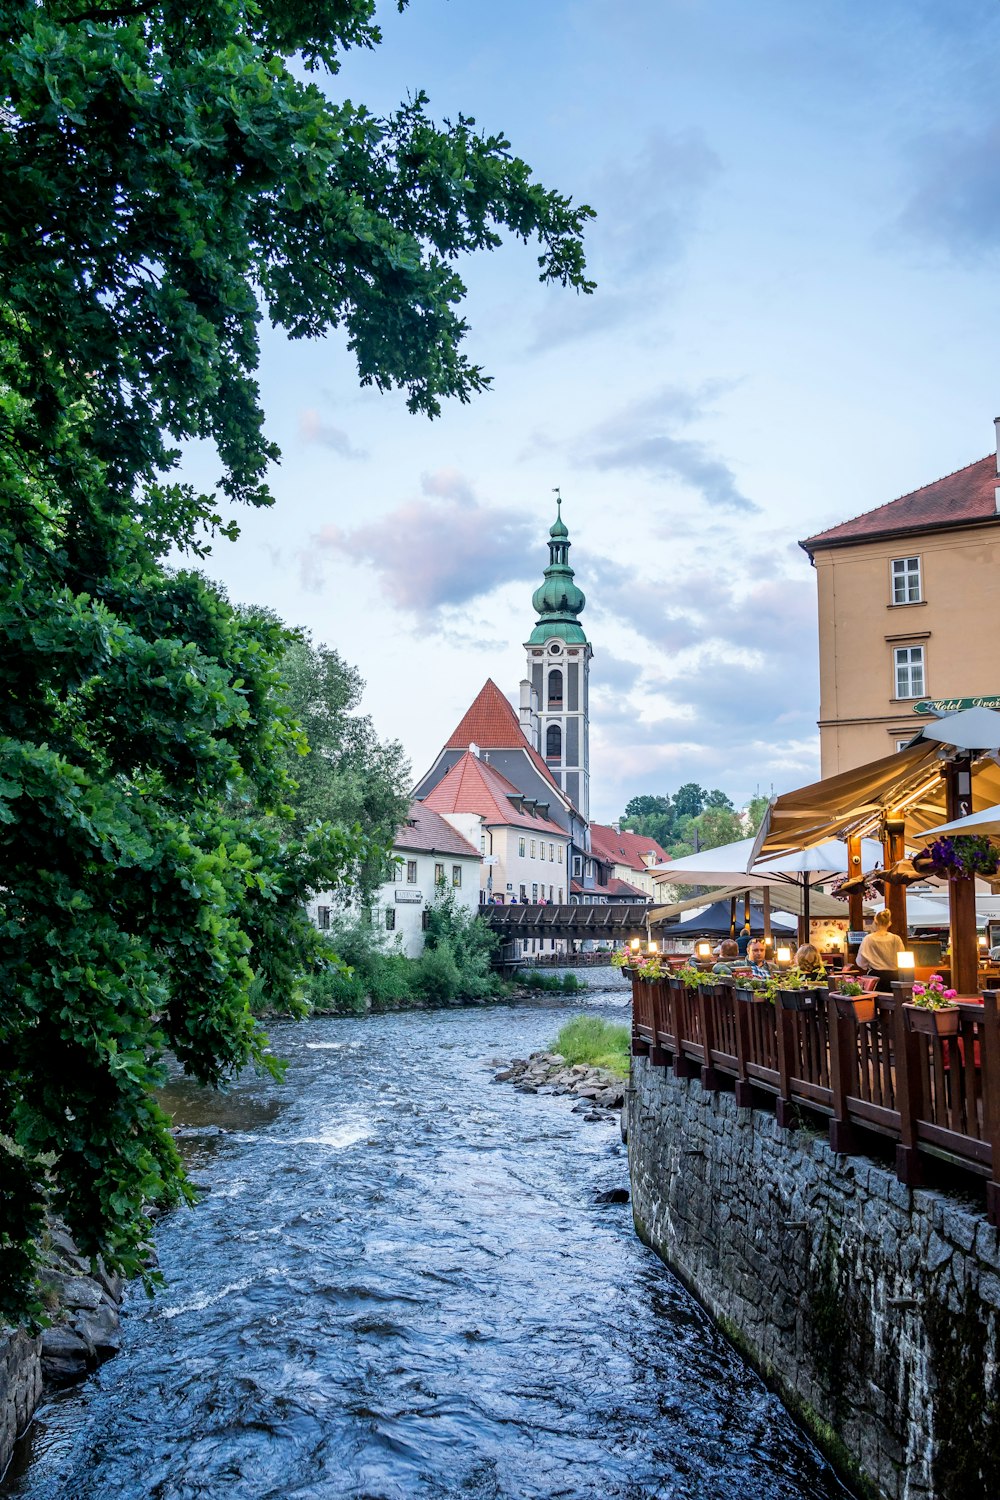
<point>692,818</point>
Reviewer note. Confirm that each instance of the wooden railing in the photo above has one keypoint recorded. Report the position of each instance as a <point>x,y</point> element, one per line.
<point>934,1096</point>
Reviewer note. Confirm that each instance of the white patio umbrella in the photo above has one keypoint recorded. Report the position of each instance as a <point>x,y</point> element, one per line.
<point>971,729</point>
<point>987,820</point>
<point>819,863</point>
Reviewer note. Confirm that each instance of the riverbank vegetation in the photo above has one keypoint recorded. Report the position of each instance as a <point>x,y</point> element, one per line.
<point>550,984</point>
<point>362,971</point>
<point>175,177</point>
<point>598,1043</point>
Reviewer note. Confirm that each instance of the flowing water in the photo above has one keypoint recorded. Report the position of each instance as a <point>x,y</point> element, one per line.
<point>398,1284</point>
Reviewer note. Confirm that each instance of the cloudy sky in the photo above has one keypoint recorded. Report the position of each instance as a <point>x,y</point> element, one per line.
<point>796,320</point>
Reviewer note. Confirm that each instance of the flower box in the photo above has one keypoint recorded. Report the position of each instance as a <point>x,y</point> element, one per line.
<point>860,1008</point>
<point>804,999</point>
<point>940,1022</point>
<point>749,996</point>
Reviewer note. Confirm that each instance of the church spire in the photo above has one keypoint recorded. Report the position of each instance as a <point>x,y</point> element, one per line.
<point>558,601</point>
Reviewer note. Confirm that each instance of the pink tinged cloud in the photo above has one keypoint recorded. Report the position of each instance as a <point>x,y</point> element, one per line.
<point>430,554</point>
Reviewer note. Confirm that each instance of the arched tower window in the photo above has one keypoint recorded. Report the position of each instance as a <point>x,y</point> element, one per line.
<point>556,690</point>
<point>553,742</point>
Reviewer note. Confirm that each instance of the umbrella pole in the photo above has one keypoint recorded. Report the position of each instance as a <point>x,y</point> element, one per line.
<point>895,895</point>
<point>856,899</point>
<point>732,916</point>
<point>767,916</point>
<point>962,889</point>
<point>806,888</point>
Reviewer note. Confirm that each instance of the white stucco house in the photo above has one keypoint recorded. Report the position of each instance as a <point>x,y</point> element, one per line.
<point>430,856</point>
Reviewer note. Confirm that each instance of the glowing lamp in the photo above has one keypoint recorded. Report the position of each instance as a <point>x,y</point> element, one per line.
<point>904,960</point>
<point>784,955</point>
<point>652,948</point>
<point>635,944</point>
<point>981,940</point>
<point>704,950</point>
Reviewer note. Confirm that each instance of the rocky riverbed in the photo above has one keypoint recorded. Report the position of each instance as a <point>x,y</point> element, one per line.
<point>599,1094</point>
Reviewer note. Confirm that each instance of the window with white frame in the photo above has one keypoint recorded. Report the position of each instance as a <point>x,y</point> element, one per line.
<point>906,580</point>
<point>390,919</point>
<point>908,662</point>
<point>456,875</point>
<point>577,865</point>
<point>560,847</point>
<point>520,847</point>
<point>902,744</point>
<point>532,848</point>
<point>411,872</point>
<point>534,892</point>
<point>439,874</point>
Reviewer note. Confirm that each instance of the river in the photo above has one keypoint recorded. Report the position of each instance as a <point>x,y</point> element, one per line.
<point>398,1284</point>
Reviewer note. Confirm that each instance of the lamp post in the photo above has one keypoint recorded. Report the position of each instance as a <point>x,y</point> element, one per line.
<point>895,895</point>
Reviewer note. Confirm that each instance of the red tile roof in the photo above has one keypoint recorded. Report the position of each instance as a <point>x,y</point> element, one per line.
<point>426,832</point>
<point>492,724</point>
<point>473,786</point>
<point>959,499</point>
<point>623,848</point>
<point>618,890</point>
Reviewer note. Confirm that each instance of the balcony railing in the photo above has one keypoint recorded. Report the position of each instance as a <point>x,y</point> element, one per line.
<point>934,1096</point>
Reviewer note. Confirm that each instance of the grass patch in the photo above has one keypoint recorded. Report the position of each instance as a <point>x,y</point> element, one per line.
<point>599,1044</point>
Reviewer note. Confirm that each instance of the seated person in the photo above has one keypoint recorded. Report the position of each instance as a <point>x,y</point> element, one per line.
<point>808,961</point>
<point>729,953</point>
<point>756,960</point>
<point>743,942</point>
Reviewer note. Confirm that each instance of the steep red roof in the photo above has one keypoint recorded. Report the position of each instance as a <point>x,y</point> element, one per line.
<point>962,498</point>
<point>426,832</point>
<point>492,724</point>
<point>473,786</point>
<point>624,848</point>
<point>617,890</point>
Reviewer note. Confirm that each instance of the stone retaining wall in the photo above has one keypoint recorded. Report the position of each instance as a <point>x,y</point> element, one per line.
<point>872,1308</point>
<point>20,1388</point>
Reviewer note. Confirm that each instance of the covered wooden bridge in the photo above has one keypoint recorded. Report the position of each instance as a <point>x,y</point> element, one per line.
<point>618,921</point>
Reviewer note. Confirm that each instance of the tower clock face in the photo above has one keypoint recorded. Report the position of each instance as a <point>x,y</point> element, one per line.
<point>554,648</point>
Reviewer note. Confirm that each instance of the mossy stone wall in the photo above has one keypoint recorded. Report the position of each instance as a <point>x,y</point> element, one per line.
<point>872,1308</point>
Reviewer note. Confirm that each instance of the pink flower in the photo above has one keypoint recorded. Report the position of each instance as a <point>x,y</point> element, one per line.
<point>935,979</point>
<point>918,989</point>
<point>950,994</point>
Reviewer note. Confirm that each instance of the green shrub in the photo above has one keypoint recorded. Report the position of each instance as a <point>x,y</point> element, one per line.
<point>598,1043</point>
<point>541,979</point>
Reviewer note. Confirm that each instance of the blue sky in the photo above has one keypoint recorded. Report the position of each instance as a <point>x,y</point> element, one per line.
<point>797,257</point>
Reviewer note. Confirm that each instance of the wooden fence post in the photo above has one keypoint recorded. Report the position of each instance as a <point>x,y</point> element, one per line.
<point>657,1056</point>
<point>909,1101</point>
<point>843,1073</point>
<point>783,1104</point>
<point>991,1098</point>
<point>710,1079</point>
<point>744,1088</point>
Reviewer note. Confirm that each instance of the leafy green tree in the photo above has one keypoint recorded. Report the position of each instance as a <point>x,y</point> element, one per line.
<point>169,179</point>
<point>717,825</point>
<point>689,800</point>
<point>755,810</point>
<point>349,776</point>
<point>717,799</point>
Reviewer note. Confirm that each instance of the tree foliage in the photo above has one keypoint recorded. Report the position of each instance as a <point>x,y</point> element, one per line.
<point>348,775</point>
<point>691,819</point>
<point>167,181</point>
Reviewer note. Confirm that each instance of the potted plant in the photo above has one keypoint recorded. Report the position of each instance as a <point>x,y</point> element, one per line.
<point>932,1009</point>
<point>755,991</point>
<point>854,1001</point>
<point>798,991</point>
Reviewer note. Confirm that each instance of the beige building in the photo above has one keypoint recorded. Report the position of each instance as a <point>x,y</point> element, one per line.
<point>908,598</point>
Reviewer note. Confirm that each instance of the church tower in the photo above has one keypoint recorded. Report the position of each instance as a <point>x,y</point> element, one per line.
<point>554,698</point>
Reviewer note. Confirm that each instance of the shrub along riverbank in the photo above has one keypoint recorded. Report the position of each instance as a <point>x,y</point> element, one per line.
<point>365,973</point>
<point>598,1043</point>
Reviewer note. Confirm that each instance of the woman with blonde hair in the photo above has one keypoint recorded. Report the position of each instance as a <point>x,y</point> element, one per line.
<point>808,961</point>
<point>880,950</point>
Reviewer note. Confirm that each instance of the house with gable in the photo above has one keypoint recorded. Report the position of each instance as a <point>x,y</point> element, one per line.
<point>524,851</point>
<point>628,859</point>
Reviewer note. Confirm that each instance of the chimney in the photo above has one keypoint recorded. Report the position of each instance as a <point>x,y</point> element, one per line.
<point>996,492</point>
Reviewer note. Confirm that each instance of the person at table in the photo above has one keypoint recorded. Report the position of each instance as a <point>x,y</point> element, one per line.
<point>743,942</point>
<point>728,954</point>
<point>756,960</point>
<point>808,961</point>
<point>880,950</point>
